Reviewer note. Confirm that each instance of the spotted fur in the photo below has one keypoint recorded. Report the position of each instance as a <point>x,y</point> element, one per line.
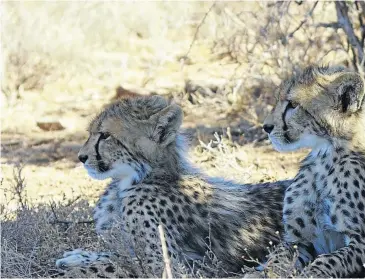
<point>324,207</point>
<point>137,143</point>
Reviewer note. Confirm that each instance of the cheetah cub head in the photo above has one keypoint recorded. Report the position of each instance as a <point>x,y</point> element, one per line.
<point>129,137</point>
<point>316,107</point>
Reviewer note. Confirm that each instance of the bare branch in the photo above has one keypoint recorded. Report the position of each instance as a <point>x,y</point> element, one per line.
<point>72,222</point>
<point>361,16</point>
<point>334,25</point>
<point>19,186</point>
<point>291,34</point>
<point>56,221</point>
<point>197,31</point>
<point>344,21</point>
<point>320,60</point>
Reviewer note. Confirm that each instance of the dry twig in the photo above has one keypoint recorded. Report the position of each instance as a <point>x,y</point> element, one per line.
<point>291,34</point>
<point>197,31</point>
<point>19,186</point>
<point>346,25</point>
<point>57,221</point>
<point>167,271</point>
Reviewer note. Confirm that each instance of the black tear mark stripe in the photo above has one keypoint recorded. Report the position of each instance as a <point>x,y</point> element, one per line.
<point>283,116</point>
<point>285,127</point>
<point>101,165</point>
<point>98,157</point>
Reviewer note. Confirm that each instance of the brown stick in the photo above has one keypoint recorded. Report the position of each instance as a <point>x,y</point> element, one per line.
<point>346,25</point>
<point>197,30</point>
<point>165,253</point>
<point>56,221</point>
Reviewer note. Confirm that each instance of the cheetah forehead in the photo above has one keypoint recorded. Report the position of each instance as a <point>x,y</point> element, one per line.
<point>304,83</point>
<point>313,74</point>
<point>125,112</point>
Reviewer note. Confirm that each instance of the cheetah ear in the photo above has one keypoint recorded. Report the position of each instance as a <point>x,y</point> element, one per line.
<point>350,92</point>
<point>167,122</point>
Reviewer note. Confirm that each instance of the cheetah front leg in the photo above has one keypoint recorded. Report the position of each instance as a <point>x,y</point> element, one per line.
<point>345,262</point>
<point>300,221</point>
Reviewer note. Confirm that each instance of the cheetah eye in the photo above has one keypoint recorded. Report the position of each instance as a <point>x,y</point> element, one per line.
<point>292,105</point>
<point>104,136</point>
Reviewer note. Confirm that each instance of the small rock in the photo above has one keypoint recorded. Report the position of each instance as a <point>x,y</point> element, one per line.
<point>50,125</point>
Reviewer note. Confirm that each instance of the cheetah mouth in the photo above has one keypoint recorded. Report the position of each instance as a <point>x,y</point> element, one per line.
<point>96,174</point>
<point>115,171</point>
<point>277,143</point>
<point>102,166</point>
<point>283,144</point>
<point>304,141</point>
<point>98,166</point>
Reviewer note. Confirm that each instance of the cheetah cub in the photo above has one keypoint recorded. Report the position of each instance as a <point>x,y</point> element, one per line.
<point>136,142</point>
<point>324,208</point>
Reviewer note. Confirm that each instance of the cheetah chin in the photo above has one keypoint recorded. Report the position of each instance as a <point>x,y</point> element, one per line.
<point>305,141</point>
<point>120,171</point>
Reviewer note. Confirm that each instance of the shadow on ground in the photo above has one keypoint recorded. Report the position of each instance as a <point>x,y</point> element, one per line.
<point>50,147</point>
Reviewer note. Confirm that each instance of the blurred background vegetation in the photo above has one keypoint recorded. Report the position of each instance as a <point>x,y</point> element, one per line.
<point>89,48</point>
<point>63,61</point>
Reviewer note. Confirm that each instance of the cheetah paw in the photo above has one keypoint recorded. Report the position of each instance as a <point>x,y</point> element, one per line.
<point>81,258</point>
<point>73,252</point>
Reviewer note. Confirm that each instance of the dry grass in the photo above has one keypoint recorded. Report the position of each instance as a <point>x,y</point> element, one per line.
<point>63,61</point>
<point>35,234</point>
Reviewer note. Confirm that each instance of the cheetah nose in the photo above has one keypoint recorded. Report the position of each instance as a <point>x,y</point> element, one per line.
<point>83,158</point>
<point>268,128</point>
